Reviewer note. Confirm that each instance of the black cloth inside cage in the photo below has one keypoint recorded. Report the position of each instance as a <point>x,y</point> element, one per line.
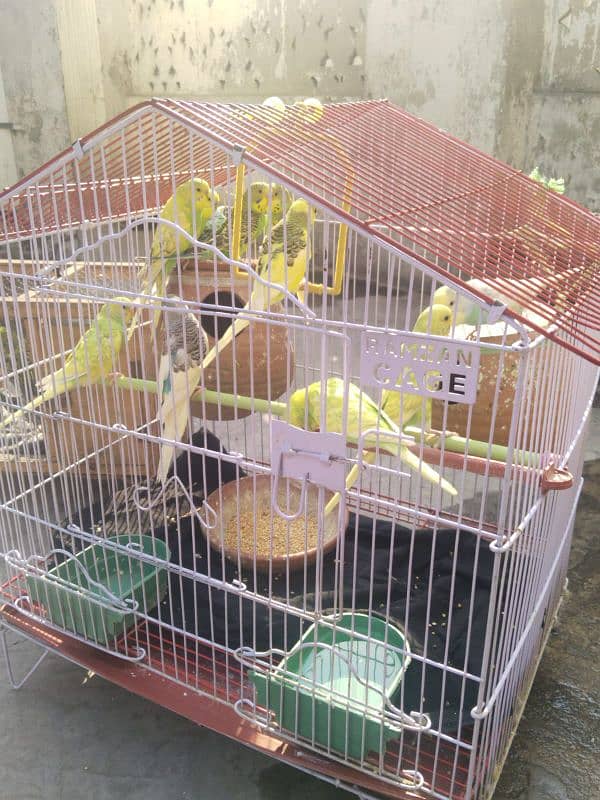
<point>233,621</point>
<point>436,564</point>
<point>434,558</point>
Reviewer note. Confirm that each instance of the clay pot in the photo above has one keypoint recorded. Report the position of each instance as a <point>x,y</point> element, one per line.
<point>264,357</point>
<point>481,427</point>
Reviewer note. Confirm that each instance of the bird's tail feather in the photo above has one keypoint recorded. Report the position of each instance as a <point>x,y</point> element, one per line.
<point>236,327</point>
<point>175,416</point>
<point>418,465</point>
<point>31,406</point>
<point>352,477</point>
<point>406,455</point>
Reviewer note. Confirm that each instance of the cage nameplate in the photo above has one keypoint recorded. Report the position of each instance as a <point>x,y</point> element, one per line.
<point>319,458</point>
<point>441,369</point>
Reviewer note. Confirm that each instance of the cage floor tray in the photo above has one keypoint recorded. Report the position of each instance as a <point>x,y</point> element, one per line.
<point>96,592</point>
<point>332,687</point>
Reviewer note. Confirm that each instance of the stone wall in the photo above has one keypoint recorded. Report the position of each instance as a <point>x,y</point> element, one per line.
<point>520,80</point>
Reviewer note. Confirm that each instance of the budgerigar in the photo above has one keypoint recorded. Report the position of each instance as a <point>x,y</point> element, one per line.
<point>283,264</point>
<point>281,200</point>
<point>92,359</point>
<point>362,415</point>
<point>554,184</point>
<point>277,109</point>
<point>191,207</point>
<point>311,109</point>
<point>404,408</point>
<point>184,345</point>
<point>470,313</point>
<point>259,200</point>
<point>259,206</point>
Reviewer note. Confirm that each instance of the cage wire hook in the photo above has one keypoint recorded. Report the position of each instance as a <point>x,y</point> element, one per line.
<point>246,709</point>
<point>285,450</point>
<point>14,559</point>
<point>140,652</point>
<point>153,503</point>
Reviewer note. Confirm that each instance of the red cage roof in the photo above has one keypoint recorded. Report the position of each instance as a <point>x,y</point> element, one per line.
<point>392,175</point>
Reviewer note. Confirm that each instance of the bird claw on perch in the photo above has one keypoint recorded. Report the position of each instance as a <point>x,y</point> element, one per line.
<point>113,378</point>
<point>434,438</point>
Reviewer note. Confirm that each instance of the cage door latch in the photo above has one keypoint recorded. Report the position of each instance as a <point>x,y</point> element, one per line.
<point>312,457</point>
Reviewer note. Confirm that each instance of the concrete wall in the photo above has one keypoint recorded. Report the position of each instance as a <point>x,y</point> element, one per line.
<point>32,74</point>
<point>518,78</point>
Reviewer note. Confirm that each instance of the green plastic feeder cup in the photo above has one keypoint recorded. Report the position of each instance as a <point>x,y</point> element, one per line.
<point>333,687</point>
<point>96,592</point>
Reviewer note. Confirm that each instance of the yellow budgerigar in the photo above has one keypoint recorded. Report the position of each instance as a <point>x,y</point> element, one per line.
<point>191,208</point>
<point>282,265</point>
<point>260,194</point>
<point>92,359</point>
<point>276,108</point>
<point>363,414</point>
<point>407,409</point>
<point>311,109</point>
<point>468,312</point>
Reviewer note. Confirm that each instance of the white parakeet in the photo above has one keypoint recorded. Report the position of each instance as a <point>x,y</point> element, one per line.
<point>184,345</point>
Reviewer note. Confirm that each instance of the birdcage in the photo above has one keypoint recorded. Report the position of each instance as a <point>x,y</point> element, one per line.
<point>305,461</point>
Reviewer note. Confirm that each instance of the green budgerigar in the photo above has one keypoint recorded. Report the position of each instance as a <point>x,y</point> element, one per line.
<point>363,414</point>
<point>406,408</point>
<point>554,184</point>
<point>92,359</point>
<point>184,344</point>
<point>191,207</point>
<point>252,234</point>
<point>282,265</point>
<point>468,312</point>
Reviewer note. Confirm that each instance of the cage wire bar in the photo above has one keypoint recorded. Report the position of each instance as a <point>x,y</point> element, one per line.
<point>364,594</point>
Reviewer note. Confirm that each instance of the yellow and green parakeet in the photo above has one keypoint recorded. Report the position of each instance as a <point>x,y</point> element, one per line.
<point>304,411</point>
<point>554,184</point>
<point>466,311</point>
<point>283,264</point>
<point>92,359</point>
<point>407,409</point>
<point>184,345</point>
<point>191,207</point>
<point>259,206</point>
<point>281,200</point>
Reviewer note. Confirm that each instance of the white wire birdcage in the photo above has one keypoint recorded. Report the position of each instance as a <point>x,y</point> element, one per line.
<point>217,493</point>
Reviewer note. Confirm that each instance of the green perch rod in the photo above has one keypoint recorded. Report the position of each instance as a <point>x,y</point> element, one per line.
<point>230,400</point>
<point>453,444</point>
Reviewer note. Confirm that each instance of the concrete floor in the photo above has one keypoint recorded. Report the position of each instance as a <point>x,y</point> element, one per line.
<point>66,737</point>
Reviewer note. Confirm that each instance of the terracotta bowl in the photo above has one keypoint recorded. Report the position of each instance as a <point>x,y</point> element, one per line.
<point>239,503</point>
<point>264,357</point>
